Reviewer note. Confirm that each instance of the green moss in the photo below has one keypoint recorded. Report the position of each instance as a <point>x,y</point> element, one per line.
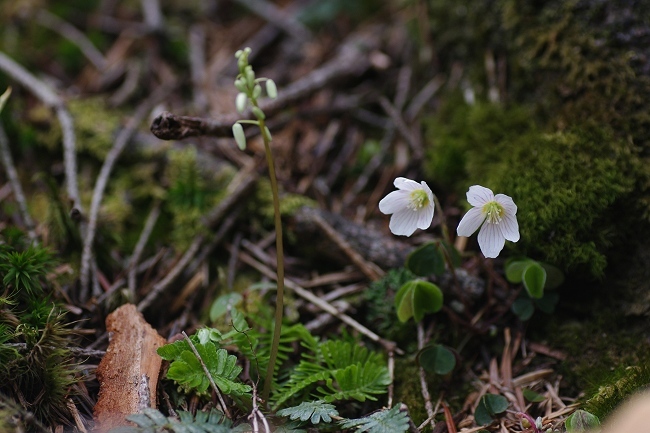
<point>289,203</point>
<point>607,357</point>
<point>569,186</point>
<point>575,134</point>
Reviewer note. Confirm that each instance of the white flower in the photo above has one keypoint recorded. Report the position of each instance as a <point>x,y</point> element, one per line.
<point>411,205</point>
<point>497,213</point>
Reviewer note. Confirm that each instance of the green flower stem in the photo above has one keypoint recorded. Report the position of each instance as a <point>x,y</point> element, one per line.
<point>279,300</point>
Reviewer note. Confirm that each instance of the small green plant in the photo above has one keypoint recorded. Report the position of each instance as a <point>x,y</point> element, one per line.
<point>535,277</point>
<point>36,365</point>
<point>314,411</point>
<point>250,90</point>
<point>490,406</point>
<point>152,421</point>
<point>384,421</point>
<point>581,421</point>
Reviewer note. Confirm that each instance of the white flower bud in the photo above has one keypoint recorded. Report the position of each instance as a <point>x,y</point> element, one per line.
<point>240,137</point>
<point>250,74</point>
<point>258,113</point>
<point>241,101</point>
<point>271,90</point>
<point>257,91</point>
<point>240,84</point>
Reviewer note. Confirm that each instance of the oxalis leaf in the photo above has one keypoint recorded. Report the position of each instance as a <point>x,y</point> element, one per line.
<point>416,298</point>
<point>489,406</point>
<point>437,359</point>
<point>534,278</point>
<point>385,421</point>
<point>314,411</point>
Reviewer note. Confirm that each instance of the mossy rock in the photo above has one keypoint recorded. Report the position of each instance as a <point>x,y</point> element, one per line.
<point>570,137</point>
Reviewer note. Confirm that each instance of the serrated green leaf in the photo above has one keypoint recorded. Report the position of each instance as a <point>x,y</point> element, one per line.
<point>314,411</point>
<point>223,304</point>
<point>523,308</point>
<point>437,359</point>
<point>426,260</point>
<point>534,279</point>
<point>385,421</point>
<point>171,352</point>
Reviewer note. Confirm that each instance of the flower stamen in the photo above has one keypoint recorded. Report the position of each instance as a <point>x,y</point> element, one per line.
<point>493,212</point>
<point>418,199</point>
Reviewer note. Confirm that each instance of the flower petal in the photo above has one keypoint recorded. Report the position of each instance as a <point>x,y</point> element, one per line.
<point>507,202</point>
<point>470,222</point>
<point>395,201</point>
<point>509,227</point>
<point>404,222</point>
<point>406,184</point>
<point>478,195</point>
<point>490,240</point>
<point>425,216</point>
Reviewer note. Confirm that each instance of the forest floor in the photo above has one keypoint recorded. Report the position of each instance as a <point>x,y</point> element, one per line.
<point>118,130</point>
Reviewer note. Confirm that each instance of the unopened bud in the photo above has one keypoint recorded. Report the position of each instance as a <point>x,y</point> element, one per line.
<point>240,137</point>
<point>258,113</point>
<point>257,91</point>
<point>271,90</point>
<point>241,101</point>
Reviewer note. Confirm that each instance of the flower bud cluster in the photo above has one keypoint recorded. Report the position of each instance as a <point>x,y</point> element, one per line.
<point>250,89</point>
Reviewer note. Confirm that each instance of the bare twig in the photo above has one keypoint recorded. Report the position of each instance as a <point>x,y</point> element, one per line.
<point>351,60</point>
<point>197,66</point>
<point>139,246</point>
<point>403,129</point>
<point>153,16</point>
<point>10,168</point>
<point>48,97</point>
<point>102,179</point>
<point>215,388</point>
<point>371,270</point>
<point>74,35</point>
<point>423,379</point>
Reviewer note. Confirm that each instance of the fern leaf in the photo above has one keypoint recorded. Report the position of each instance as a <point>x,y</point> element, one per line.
<point>300,380</point>
<point>152,421</point>
<point>314,411</point>
<point>358,381</point>
<point>188,372</point>
<point>385,421</point>
<point>341,354</point>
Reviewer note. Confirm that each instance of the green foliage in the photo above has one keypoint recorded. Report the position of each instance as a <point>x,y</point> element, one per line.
<point>187,371</point>
<point>152,421</point>
<point>581,421</point>
<point>36,366</point>
<point>289,203</point>
<point>490,406</point>
<point>429,259</point>
<point>380,306</point>
<point>349,371</point>
<point>568,208</point>
<point>25,270</point>
<point>384,421</point>
<point>622,383</point>
<point>436,359</point>
<point>314,411</point>
<point>417,297</point>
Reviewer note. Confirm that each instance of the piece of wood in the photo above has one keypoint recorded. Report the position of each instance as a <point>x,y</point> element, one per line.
<point>128,374</point>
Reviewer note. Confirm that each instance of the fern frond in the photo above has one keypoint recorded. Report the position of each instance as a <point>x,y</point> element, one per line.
<point>187,371</point>
<point>305,375</point>
<point>385,421</point>
<point>341,354</point>
<point>152,421</point>
<point>357,381</point>
<point>314,411</point>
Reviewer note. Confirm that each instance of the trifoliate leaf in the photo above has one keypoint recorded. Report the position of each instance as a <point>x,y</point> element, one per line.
<point>437,359</point>
<point>534,279</point>
<point>581,421</point>
<point>523,308</point>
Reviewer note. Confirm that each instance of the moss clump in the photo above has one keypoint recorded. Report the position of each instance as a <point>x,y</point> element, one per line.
<point>607,357</point>
<point>571,145</point>
<point>569,185</point>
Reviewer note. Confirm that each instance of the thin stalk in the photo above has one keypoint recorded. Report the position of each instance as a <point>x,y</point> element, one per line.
<point>279,300</point>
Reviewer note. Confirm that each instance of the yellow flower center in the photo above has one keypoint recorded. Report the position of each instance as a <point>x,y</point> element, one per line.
<point>493,212</point>
<point>419,199</point>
